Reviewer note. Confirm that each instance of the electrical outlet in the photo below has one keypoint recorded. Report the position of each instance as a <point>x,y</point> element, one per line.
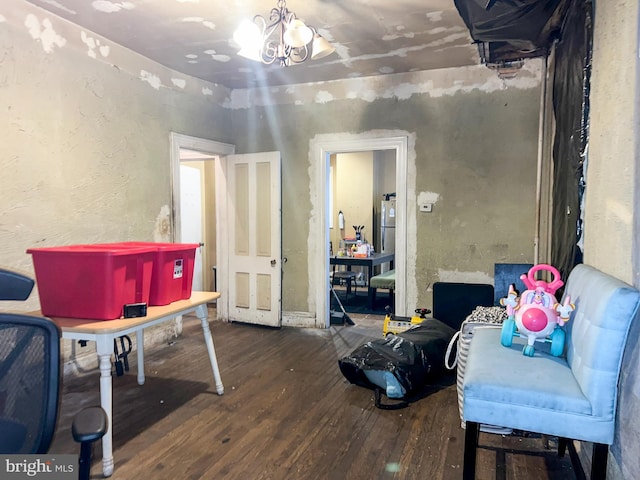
<point>426,207</point>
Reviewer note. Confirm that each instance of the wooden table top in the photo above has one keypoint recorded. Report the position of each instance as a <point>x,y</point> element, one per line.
<point>94,326</point>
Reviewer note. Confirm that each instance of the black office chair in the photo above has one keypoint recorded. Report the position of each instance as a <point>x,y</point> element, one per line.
<point>30,382</point>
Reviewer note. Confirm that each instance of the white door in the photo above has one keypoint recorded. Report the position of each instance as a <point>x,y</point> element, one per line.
<point>255,253</point>
<point>191,216</point>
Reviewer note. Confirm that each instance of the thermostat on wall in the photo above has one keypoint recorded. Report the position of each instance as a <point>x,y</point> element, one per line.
<point>426,207</point>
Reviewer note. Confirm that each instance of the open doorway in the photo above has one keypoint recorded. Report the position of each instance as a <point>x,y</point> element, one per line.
<point>197,213</point>
<point>194,207</point>
<point>359,184</point>
<point>321,149</point>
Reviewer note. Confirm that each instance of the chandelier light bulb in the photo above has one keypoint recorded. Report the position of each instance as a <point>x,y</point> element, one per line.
<point>283,38</point>
<point>321,47</point>
<point>248,35</point>
<point>297,34</point>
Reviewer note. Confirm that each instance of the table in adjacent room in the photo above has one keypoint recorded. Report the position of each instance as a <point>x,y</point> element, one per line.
<point>369,262</point>
<point>104,332</point>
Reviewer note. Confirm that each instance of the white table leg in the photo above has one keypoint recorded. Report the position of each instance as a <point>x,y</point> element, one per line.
<point>140,353</point>
<point>104,347</point>
<point>203,315</point>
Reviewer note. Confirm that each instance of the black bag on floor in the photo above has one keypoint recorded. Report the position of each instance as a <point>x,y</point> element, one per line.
<point>400,365</point>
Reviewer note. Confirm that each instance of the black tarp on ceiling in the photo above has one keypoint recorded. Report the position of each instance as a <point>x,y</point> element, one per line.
<point>513,29</point>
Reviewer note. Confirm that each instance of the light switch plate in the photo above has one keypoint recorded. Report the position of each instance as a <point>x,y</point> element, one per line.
<point>426,207</point>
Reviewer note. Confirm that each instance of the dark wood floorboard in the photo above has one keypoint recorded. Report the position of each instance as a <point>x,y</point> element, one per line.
<point>287,413</point>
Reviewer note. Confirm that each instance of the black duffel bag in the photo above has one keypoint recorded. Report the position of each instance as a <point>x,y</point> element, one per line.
<point>400,365</point>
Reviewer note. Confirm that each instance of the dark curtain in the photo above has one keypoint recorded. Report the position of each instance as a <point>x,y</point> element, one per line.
<point>571,109</point>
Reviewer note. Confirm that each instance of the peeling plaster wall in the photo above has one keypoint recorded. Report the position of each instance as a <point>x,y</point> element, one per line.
<point>475,155</point>
<point>610,208</point>
<point>403,86</point>
<point>84,148</point>
<point>612,215</point>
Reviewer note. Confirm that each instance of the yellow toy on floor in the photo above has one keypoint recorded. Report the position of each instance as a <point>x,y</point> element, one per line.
<point>394,324</point>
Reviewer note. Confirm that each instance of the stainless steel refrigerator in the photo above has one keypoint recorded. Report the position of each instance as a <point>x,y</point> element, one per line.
<point>388,229</point>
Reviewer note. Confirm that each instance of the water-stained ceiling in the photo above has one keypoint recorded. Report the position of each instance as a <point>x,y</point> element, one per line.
<point>372,37</point>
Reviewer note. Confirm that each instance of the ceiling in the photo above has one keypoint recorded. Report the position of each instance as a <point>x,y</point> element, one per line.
<point>372,37</point>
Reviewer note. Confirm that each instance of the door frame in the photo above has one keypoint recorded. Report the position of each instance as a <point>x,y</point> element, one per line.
<point>219,150</point>
<point>321,149</point>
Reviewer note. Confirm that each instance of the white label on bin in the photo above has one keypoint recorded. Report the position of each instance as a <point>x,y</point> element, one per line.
<point>177,269</point>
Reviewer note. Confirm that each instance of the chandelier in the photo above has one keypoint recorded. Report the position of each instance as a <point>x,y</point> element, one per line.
<point>284,38</point>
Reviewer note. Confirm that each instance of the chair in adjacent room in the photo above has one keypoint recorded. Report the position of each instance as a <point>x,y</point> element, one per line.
<point>346,276</point>
<point>385,280</point>
<point>30,382</point>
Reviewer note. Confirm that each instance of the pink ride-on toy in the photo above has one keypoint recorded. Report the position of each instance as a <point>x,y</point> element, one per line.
<point>536,315</point>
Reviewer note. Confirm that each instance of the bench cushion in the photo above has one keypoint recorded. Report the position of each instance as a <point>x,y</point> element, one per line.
<point>384,280</point>
<point>550,384</point>
<point>497,392</point>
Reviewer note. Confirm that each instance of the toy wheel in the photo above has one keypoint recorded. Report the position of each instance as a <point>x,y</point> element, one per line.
<point>508,329</point>
<point>528,350</point>
<point>557,342</point>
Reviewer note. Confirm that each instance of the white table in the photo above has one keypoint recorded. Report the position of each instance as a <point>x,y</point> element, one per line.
<point>103,332</point>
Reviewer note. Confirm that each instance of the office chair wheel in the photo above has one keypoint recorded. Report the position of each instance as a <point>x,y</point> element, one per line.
<point>89,425</point>
<point>508,330</point>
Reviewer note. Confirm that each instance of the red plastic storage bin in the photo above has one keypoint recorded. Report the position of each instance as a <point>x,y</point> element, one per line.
<point>92,281</point>
<point>173,265</point>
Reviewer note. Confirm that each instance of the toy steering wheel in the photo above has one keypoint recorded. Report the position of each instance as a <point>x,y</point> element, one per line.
<point>531,283</point>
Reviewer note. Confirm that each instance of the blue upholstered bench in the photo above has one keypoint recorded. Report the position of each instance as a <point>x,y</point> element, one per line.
<point>571,397</point>
<point>384,280</point>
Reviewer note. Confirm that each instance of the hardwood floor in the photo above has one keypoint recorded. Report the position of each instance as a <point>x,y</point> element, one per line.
<point>287,413</point>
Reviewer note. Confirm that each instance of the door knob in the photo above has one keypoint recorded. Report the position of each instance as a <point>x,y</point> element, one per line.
<point>273,262</point>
